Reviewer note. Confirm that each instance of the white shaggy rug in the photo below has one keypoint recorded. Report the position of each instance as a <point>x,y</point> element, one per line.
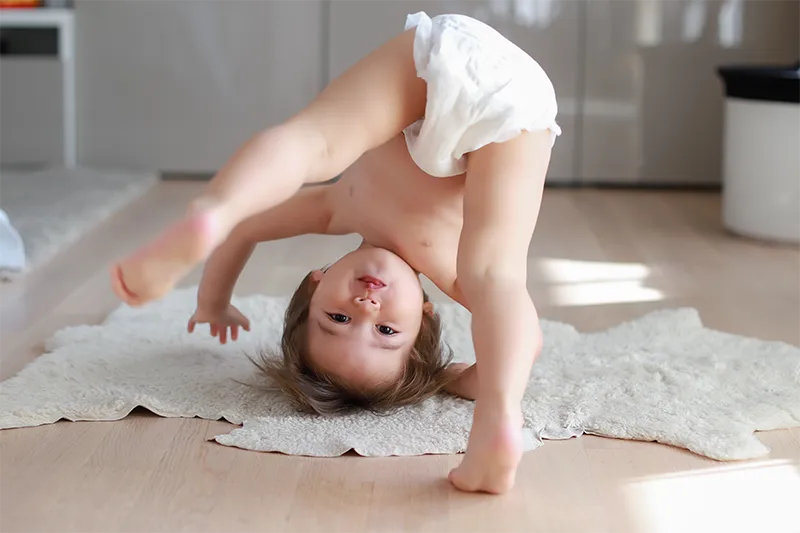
<point>52,208</point>
<point>663,377</point>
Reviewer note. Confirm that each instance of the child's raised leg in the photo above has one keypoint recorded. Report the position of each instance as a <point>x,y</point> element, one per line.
<point>368,105</point>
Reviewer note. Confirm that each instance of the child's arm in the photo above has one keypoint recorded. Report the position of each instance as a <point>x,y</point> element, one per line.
<point>503,192</point>
<point>308,211</point>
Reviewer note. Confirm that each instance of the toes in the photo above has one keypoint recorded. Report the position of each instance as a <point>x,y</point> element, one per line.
<point>451,476</point>
<point>453,479</point>
<point>120,289</point>
<point>469,483</point>
<point>461,481</point>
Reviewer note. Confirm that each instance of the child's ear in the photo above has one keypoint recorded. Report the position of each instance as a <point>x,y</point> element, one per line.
<point>316,275</point>
<point>427,308</point>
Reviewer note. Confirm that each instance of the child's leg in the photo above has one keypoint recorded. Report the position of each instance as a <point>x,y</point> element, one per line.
<point>368,105</point>
<point>503,192</point>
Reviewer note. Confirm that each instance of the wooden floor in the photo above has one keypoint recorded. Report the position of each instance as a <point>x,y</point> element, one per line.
<point>598,258</point>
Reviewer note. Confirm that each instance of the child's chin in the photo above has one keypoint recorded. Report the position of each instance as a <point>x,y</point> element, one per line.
<point>382,257</point>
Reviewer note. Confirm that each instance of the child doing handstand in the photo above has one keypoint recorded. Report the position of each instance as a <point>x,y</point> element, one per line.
<point>448,98</point>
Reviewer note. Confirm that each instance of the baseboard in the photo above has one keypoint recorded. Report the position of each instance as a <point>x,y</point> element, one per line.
<point>698,187</point>
<point>206,176</point>
<point>608,185</point>
<point>186,176</point>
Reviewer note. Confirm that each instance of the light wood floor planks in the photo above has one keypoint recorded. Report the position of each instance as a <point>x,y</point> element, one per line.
<point>598,258</point>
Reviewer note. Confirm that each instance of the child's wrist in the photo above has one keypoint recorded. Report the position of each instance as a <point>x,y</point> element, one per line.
<point>213,302</point>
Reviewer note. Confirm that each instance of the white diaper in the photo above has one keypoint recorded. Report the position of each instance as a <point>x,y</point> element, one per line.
<point>482,89</point>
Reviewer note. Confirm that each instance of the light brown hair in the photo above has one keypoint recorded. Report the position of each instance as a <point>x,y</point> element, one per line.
<point>315,391</point>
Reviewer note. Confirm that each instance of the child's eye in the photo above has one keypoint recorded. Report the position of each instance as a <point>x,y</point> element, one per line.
<point>386,330</point>
<point>341,319</point>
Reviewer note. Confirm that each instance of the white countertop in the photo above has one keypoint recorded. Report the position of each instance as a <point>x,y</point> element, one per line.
<point>35,17</point>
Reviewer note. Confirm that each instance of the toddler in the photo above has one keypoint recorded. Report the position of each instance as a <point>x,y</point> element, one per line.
<point>443,138</point>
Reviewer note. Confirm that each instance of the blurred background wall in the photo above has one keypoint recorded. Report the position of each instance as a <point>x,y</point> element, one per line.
<point>177,85</point>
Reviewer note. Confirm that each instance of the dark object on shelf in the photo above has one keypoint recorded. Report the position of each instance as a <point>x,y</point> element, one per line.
<point>29,42</point>
<point>772,84</point>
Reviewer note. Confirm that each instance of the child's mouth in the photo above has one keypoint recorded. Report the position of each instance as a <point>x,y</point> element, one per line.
<point>372,283</point>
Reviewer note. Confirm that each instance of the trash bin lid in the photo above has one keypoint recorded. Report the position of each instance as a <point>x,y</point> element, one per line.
<point>767,83</point>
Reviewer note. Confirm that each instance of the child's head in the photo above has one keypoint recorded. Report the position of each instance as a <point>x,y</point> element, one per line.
<point>361,333</point>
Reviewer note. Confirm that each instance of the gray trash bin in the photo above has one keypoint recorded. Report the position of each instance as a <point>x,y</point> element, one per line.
<point>761,167</point>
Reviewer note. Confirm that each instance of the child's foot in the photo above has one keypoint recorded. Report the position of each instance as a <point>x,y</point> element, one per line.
<point>154,269</point>
<point>493,452</point>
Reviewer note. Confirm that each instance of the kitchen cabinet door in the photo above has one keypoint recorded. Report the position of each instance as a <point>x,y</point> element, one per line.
<point>180,85</point>
<point>653,106</point>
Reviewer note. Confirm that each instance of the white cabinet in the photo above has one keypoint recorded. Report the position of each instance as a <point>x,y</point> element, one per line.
<point>179,85</point>
<point>37,90</point>
<point>652,104</point>
<point>547,30</point>
<point>31,111</point>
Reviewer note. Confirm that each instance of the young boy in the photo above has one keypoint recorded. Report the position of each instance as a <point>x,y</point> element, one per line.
<point>448,98</point>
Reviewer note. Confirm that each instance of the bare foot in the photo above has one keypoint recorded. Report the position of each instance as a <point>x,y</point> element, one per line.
<point>153,270</point>
<point>493,452</point>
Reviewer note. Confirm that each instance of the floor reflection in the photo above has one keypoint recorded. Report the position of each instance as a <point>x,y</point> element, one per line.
<point>738,498</point>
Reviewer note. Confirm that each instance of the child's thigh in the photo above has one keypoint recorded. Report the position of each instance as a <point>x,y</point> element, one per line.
<point>502,196</point>
<point>505,180</point>
<point>372,102</point>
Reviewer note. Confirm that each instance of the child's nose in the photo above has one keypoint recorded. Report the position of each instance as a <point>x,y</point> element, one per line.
<point>367,303</point>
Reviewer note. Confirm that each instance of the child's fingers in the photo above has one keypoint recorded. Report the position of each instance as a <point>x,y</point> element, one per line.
<point>191,325</point>
<point>242,320</point>
<point>223,335</point>
<point>214,329</point>
<point>234,333</point>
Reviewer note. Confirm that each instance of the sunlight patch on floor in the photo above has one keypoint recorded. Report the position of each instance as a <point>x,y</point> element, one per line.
<point>602,293</point>
<point>578,283</point>
<point>572,271</point>
<point>742,498</point>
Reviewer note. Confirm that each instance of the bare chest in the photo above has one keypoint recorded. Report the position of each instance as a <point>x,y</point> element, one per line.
<point>391,203</point>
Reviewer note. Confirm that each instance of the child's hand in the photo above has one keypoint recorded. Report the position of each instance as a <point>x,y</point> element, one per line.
<point>220,321</point>
<point>464,380</point>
